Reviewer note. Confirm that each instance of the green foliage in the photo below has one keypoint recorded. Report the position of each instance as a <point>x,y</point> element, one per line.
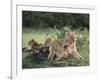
<point>83,39</point>
<point>60,33</point>
<point>35,19</point>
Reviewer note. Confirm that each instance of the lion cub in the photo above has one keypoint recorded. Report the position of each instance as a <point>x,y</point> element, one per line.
<point>70,45</point>
<point>32,44</point>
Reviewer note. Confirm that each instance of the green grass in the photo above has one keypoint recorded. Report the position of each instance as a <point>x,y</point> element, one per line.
<point>38,35</point>
<point>29,61</point>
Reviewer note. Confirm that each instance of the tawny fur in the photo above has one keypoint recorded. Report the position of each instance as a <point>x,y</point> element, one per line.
<point>70,45</point>
<point>55,48</point>
<point>32,44</point>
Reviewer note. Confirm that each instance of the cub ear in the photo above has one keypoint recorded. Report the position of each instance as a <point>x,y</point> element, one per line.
<point>32,40</point>
<point>46,35</point>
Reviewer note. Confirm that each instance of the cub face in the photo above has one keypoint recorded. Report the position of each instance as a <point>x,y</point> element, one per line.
<point>32,42</point>
<point>70,38</point>
<point>72,35</point>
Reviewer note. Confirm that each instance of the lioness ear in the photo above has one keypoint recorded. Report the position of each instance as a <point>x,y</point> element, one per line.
<point>75,33</point>
<point>69,33</point>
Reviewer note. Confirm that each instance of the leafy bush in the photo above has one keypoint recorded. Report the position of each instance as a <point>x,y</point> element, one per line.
<point>59,33</point>
<point>82,42</point>
<point>83,39</point>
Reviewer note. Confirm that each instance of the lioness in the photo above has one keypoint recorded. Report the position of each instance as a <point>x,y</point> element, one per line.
<point>55,48</point>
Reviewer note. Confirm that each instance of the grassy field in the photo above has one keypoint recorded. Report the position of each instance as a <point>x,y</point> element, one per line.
<point>28,61</point>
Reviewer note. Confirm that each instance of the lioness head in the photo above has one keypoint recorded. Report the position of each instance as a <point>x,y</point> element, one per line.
<point>49,39</point>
